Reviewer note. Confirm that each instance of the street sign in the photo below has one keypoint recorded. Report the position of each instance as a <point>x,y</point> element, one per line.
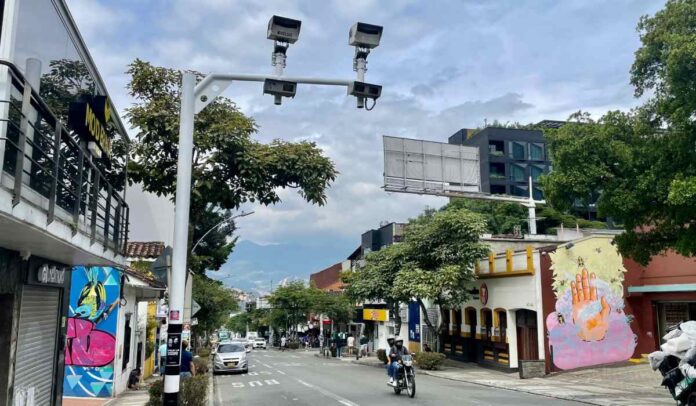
<point>194,321</point>
<point>195,307</point>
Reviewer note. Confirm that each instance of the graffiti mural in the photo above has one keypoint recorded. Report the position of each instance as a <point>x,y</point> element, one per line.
<point>589,326</point>
<point>91,332</point>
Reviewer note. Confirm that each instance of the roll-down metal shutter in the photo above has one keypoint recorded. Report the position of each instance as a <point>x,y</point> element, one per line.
<point>36,342</point>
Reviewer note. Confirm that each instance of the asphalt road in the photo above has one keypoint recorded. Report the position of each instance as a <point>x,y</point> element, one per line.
<point>300,378</point>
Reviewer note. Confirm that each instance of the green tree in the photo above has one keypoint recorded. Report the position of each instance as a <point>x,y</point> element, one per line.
<point>375,280</point>
<point>216,301</point>
<point>501,217</point>
<point>229,166</point>
<point>213,250</point>
<point>441,250</point>
<point>641,163</point>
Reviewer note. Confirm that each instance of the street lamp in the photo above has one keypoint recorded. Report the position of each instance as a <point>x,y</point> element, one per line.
<point>225,220</point>
<point>194,98</point>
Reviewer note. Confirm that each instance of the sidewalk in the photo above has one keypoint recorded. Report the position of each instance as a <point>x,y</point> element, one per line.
<point>635,385</point>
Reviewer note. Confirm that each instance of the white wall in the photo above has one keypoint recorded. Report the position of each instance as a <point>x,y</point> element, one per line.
<point>120,374</point>
<point>151,217</point>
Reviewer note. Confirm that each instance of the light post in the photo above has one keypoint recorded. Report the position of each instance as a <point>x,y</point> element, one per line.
<point>194,97</point>
<point>225,220</point>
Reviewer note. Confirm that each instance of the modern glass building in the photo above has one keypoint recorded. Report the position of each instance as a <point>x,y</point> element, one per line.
<point>509,157</point>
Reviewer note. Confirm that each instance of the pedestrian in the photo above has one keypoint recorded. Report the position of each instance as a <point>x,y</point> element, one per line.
<point>426,348</point>
<point>363,345</point>
<point>351,344</point>
<point>162,357</point>
<point>187,368</point>
<point>283,343</point>
<point>134,379</point>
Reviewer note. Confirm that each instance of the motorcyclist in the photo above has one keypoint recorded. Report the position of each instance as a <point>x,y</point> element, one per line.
<point>390,344</point>
<point>394,356</point>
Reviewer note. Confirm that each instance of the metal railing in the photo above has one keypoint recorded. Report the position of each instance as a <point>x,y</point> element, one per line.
<point>42,155</point>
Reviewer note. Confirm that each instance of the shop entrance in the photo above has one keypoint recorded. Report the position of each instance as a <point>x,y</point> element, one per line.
<point>471,341</point>
<point>527,342</point>
<point>673,313</point>
<point>6,309</point>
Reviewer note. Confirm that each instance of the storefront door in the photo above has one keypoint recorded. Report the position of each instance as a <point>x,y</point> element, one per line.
<point>527,342</point>
<point>672,313</point>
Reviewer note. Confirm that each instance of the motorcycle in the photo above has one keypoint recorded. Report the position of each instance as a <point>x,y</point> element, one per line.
<point>405,376</point>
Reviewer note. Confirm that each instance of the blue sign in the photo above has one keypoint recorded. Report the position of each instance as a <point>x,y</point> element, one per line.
<point>413,321</point>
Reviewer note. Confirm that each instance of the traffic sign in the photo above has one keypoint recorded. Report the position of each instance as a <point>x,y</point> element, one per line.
<point>195,307</point>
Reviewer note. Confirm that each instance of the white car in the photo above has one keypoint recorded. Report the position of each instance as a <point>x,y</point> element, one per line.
<point>260,343</point>
<point>243,342</point>
<point>230,357</point>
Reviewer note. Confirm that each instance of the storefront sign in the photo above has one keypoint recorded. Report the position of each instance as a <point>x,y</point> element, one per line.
<point>375,314</point>
<point>89,118</point>
<point>47,274</point>
<point>483,294</point>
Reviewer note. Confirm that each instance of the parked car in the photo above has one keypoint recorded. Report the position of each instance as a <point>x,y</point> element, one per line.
<point>260,343</point>
<point>230,357</point>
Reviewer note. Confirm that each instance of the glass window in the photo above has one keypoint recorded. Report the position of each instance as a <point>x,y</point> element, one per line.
<point>518,150</point>
<point>517,173</point>
<point>538,194</point>
<point>536,152</point>
<point>535,172</point>
<point>519,191</point>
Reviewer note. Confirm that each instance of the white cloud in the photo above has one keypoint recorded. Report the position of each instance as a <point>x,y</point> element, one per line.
<point>444,65</point>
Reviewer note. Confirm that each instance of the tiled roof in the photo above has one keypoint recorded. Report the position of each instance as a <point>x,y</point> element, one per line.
<point>138,249</point>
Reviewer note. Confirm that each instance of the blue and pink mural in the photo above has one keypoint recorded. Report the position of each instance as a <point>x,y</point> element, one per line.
<point>91,337</point>
<point>589,326</point>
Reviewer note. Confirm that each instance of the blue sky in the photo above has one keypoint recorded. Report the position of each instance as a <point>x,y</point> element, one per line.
<point>444,65</point>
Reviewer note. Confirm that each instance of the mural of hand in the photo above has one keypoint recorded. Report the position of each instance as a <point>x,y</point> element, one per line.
<point>589,314</point>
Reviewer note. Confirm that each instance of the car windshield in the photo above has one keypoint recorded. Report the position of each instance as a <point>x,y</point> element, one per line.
<point>260,339</point>
<point>230,348</point>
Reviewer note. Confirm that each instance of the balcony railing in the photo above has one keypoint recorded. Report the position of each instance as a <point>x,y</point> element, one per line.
<point>42,155</point>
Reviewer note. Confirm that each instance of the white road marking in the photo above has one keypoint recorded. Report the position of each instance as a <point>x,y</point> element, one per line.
<point>217,389</point>
<point>271,382</point>
<point>280,372</point>
<point>324,392</point>
<point>255,383</point>
<point>237,384</point>
<point>266,365</point>
<point>253,374</point>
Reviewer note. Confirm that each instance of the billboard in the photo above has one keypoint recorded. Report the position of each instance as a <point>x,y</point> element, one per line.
<point>376,314</point>
<point>427,167</point>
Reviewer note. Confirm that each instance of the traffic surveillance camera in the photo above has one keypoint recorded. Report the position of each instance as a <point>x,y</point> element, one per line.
<point>284,29</point>
<point>365,35</point>
<point>365,90</point>
<point>279,89</point>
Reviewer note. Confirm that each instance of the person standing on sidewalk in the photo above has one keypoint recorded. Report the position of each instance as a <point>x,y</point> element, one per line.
<point>283,343</point>
<point>351,344</point>
<point>162,357</point>
<point>187,368</point>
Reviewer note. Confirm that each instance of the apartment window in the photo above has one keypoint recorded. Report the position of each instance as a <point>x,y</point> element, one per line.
<point>536,171</point>
<point>498,190</point>
<point>536,152</point>
<point>522,191</point>
<point>538,194</point>
<point>517,173</point>
<point>497,170</point>
<point>518,150</point>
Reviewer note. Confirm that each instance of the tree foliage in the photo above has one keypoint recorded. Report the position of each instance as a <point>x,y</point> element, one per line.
<point>216,301</point>
<point>294,303</point>
<point>641,163</point>
<point>229,167</point>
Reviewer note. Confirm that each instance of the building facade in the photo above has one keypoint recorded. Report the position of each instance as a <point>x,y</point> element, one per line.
<point>61,190</point>
<point>508,158</point>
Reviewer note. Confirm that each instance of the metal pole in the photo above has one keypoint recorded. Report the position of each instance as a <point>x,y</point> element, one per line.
<point>531,206</point>
<point>181,220</point>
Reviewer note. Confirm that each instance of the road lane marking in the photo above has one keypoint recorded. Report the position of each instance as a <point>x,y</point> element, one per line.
<point>324,392</point>
<point>266,365</point>
<point>280,372</point>
<point>271,382</point>
<point>255,383</point>
<point>217,389</point>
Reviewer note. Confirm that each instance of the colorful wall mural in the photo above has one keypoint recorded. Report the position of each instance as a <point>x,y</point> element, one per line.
<point>91,334</point>
<point>589,326</point>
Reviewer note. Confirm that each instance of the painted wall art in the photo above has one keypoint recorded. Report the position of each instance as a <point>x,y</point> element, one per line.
<point>589,326</point>
<point>91,332</point>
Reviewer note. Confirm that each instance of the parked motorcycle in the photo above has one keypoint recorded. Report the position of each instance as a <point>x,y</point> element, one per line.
<point>405,376</point>
<point>676,363</point>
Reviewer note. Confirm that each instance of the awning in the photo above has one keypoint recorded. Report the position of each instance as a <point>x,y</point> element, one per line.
<point>680,287</point>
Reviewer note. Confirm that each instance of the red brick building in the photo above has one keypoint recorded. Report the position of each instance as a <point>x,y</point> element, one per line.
<point>329,279</point>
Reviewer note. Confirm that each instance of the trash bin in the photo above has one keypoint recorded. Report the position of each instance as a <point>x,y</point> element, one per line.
<point>532,369</point>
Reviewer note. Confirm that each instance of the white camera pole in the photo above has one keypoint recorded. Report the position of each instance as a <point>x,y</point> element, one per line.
<point>181,223</point>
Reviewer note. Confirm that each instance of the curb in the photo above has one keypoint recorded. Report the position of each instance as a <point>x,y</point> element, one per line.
<point>211,387</point>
